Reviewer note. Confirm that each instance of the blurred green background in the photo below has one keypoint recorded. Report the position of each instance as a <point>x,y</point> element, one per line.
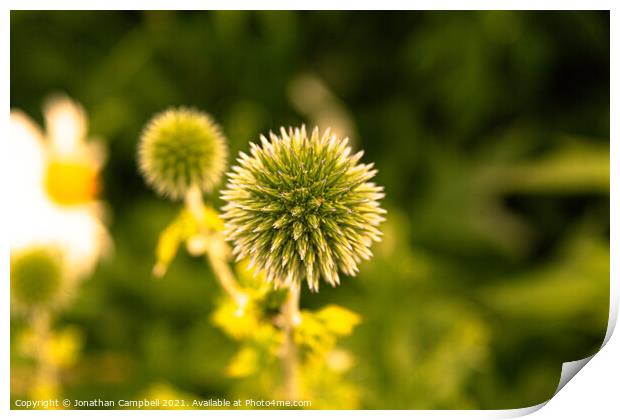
<point>490,131</point>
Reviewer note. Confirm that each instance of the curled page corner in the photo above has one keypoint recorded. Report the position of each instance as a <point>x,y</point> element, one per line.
<point>570,369</point>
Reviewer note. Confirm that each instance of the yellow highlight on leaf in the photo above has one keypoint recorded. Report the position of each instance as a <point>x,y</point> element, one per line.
<point>197,234</point>
<point>244,363</point>
<point>212,219</point>
<point>167,247</point>
<point>319,331</point>
<point>236,322</point>
<point>45,391</point>
<point>339,320</point>
<point>65,346</point>
<point>339,360</point>
<point>62,348</point>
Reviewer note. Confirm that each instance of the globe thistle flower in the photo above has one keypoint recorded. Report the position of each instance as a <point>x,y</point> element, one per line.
<point>181,148</point>
<point>302,208</point>
<point>36,278</point>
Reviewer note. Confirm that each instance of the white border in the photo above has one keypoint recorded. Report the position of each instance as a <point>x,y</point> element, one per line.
<point>312,5</point>
<point>595,390</point>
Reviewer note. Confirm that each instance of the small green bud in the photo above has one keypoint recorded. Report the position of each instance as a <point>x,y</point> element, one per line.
<point>36,278</point>
<point>180,148</point>
<point>302,207</point>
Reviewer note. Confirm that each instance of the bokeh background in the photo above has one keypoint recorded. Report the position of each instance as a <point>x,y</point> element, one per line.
<point>490,131</point>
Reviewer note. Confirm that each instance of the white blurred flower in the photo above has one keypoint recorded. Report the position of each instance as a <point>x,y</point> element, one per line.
<point>55,183</point>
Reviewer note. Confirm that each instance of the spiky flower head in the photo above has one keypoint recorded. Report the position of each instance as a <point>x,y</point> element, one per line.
<point>302,207</point>
<point>36,278</point>
<point>180,148</point>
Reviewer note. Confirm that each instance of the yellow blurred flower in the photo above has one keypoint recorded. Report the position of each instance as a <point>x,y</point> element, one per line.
<point>62,348</point>
<point>45,391</point>
<point>55,185</point>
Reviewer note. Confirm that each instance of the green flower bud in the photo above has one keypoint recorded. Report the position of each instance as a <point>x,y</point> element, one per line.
<point>36,278</point>
<point>180,148</point>
<point>302,207</point>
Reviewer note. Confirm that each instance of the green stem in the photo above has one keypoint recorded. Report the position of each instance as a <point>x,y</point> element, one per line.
<point>221,268</point>
<point>291,318</point>
<point>225,277</point>
<point>46,374</point>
